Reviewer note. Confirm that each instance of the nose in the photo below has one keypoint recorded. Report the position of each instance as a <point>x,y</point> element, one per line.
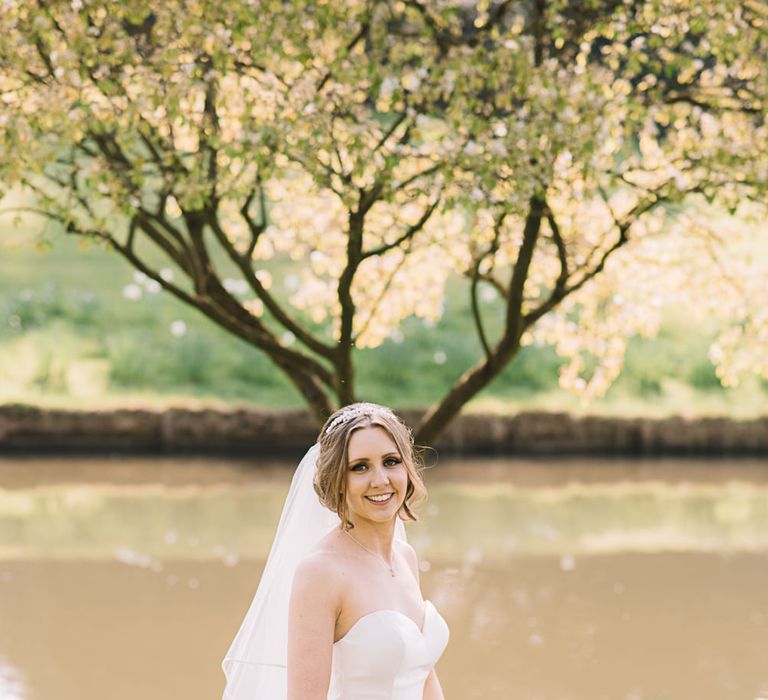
<point>379,476</point>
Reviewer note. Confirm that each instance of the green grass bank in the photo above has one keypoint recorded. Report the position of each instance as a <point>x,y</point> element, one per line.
<point>80,330</point>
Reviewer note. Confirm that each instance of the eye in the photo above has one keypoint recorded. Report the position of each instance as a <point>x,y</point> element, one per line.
<point>391,461</point>
<point>358,468</point>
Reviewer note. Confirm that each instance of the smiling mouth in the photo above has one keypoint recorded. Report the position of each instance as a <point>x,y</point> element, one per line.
<point>380,499</point>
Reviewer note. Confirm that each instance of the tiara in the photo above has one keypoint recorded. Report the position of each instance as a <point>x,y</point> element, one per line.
<point>353,411</point>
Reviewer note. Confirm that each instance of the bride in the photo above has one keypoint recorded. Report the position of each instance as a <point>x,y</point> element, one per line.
<point>339,614</point>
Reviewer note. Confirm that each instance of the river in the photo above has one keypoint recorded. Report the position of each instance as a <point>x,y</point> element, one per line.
<point>126,578</point>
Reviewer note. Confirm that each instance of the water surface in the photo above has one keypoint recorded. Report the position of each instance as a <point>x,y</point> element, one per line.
<point>568,579</point>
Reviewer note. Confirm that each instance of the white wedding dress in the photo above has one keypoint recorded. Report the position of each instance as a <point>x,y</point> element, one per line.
<point>386,656</point>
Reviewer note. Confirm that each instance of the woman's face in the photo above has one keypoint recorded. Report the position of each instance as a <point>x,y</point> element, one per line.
<point>376,476</point>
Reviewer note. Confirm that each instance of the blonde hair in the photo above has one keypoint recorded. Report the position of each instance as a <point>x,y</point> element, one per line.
<point>331,476</point>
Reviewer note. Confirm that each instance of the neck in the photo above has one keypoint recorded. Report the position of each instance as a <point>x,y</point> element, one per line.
<point>377,537</point>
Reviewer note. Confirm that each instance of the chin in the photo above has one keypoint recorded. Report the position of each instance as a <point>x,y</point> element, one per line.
<point>381,515</point>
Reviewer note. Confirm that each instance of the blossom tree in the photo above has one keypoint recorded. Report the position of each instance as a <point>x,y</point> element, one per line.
<point>566,154</point>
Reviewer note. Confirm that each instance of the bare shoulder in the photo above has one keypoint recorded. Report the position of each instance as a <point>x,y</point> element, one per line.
<point>322,571</point>
<point>316,577</point>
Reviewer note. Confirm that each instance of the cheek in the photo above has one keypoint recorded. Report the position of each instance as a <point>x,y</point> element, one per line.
<point>353,487</point>
<point>402,477</point>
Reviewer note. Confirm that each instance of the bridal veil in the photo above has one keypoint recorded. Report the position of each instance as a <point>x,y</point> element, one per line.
<point>256,663</point>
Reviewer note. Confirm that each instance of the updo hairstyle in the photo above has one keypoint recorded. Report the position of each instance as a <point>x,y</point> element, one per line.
<point>330,478</point>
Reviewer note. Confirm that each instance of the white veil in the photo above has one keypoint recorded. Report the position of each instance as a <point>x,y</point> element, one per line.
<point>256,663</point>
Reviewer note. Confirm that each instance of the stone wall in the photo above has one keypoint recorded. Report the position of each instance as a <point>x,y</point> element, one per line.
<point>27,430</point>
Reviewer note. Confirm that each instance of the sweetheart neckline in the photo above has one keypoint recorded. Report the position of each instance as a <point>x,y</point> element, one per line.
<point>420,630</point>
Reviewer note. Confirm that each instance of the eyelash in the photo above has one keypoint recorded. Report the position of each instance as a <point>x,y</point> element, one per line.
<point>389,459</point>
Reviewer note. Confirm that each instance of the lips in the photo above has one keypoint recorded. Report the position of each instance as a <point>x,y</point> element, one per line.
<point>379,500</point>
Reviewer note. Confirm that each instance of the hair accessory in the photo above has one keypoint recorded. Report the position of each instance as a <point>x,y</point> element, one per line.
<point>353,411</point>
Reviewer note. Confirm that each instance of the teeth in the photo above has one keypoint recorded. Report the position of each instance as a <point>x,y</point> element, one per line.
<point>380,499</point>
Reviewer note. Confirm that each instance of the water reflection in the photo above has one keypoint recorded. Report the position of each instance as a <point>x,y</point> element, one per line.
<point>144,524</point>
<point>128,580</point>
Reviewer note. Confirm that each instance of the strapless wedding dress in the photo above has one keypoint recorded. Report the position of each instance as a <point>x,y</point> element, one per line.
<point>385,656</point>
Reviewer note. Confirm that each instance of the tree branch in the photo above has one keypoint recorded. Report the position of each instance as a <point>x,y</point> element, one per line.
<point>210,123</point>
<point>564,290</point>
<point>343,361</point>
<point>385,137</point>
<point>427,171</point>
<point>559,291</point>
<point>182,257</point>
<point>243,263</point>
<point>513,329</point>
<point>477,317</point>
<point>562,253</point>
<point>477,277</point>
<point>407,236</point>
<point>298,368</point>
<point>361,34</point>
<point>255,229</point>
<point>485,370</point>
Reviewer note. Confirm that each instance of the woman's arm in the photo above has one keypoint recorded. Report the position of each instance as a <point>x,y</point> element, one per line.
<point>311,625</point>
<point>432,689</point>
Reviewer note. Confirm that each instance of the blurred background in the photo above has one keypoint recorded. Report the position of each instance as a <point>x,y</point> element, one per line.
<point>82,329</point>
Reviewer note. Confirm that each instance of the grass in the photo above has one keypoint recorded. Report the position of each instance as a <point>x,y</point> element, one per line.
<point>71,337</point>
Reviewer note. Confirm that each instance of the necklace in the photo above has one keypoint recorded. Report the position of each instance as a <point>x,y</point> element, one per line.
<point>390,567</point>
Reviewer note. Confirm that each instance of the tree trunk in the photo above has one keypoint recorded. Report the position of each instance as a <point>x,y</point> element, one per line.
<point>478,377</point>
<point>474,380</point>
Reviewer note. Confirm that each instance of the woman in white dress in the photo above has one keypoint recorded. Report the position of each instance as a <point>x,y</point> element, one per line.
<point>339,613</point>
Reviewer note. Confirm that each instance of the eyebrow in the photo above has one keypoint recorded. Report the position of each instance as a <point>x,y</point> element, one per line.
<point>365,459</point>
